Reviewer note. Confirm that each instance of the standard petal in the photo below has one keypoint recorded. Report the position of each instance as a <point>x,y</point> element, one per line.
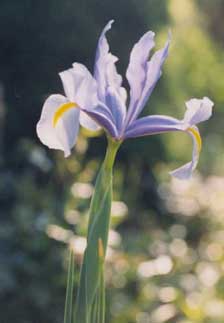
<point>154,72</point>
<point>137,70</point>
<point>106,74</point>
<point>117,107</point>
<point>198,110</point>
<point>81,87</point>
<point>103,58</point>
<point>58,130</point>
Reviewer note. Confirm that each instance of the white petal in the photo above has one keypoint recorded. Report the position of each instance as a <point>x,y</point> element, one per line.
<point>87,122</point>
<point>81,88</point>
<point>198,110</point>
<point>63,135</point>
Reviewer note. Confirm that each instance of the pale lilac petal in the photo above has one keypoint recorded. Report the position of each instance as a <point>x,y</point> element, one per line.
<point>63,135</point>
<point>153,73</point>
<point>137,70</point>
<point>105,73</point>
<point>100,115</point>
<point>118,108</point>
<point>152,125</point>
<point>103,58</point>
<point>184,172</point>
<point>198,110</point>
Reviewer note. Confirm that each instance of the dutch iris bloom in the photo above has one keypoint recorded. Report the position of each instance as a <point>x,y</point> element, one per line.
<point>101,101</point>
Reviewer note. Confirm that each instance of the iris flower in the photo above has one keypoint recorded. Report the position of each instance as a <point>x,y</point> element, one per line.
<point>101,101</point>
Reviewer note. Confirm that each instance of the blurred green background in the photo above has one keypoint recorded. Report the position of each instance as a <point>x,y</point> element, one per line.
<point>166,259</point>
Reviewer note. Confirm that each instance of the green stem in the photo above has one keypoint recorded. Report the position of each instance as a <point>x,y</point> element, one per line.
<point>98,228</point>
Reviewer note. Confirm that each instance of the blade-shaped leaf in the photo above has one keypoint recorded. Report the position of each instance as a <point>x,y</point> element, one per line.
<point>99,219</point>
<point>69,291</point>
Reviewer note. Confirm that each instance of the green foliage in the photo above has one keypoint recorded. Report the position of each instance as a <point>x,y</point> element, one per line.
<point>69,300</point>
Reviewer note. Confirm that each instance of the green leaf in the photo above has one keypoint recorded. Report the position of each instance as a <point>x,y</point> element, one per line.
<point>69,291</point>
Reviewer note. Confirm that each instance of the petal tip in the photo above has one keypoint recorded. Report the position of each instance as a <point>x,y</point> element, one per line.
<point>183,173</point>
<point>67,153</point>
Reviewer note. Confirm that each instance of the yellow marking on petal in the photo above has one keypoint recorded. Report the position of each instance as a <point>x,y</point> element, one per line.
<point>197,137</point>
<point>62,109</point>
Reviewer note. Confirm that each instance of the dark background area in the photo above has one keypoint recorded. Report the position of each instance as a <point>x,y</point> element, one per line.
<point>166,257</point>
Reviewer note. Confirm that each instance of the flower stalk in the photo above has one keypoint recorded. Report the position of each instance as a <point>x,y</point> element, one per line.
<point>90,301</point>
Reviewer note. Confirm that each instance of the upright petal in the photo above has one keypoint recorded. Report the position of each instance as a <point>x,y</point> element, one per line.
<point>81,87</point>
<point>137,70</point>
<point>59,123</point>
<point>117,107</point>
<point>105,73</point>
<point>103,58</point>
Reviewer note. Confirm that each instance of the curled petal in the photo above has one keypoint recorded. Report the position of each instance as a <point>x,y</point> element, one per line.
<point>102,60</point>
<point>185,171</point>
<point>157,124</point>
<point>198,110</point>
<point>59,124</point>
<point>105,71</point>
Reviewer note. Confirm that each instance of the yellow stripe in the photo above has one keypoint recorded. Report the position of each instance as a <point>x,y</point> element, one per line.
<point>197,137</point>
<point>62,109</point>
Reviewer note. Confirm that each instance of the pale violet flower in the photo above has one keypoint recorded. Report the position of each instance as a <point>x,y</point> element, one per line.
<point>101,101</point>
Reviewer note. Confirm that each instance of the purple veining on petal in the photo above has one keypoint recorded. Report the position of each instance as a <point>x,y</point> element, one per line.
<point>118,108</point>
<point>151,125</point>
<point>102,119</point>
